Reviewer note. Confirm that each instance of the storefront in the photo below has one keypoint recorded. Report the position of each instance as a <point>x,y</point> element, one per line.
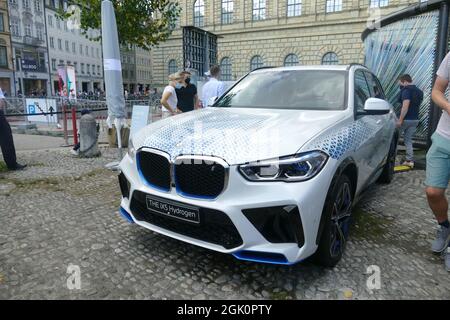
<point>31,75</point>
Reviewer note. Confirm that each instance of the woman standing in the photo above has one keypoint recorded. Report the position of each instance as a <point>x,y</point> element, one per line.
<point>169,99</point>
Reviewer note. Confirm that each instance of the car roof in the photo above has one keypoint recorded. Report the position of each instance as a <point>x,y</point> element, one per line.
<point>310,67</point>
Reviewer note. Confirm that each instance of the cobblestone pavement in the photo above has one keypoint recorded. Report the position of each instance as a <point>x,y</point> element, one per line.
<point>63,211</point>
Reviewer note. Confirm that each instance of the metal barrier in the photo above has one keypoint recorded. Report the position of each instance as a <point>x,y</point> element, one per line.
<point>67,112</point>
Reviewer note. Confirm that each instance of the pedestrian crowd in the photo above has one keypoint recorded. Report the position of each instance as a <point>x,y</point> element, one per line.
<point>181,95</point>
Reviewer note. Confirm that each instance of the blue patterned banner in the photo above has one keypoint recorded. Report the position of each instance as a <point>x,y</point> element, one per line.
<point>405,46</point>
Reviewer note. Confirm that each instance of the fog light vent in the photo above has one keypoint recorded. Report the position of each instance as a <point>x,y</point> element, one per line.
<point>124,186</point>
<point>278,224</point>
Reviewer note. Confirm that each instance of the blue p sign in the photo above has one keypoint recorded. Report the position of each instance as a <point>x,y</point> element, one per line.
<point>31,109</point>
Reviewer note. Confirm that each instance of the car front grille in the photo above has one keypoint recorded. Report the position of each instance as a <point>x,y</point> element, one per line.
<point>155,169</point>
<point>200,178</point>
<point>193,177</point>
<point>215,227</point>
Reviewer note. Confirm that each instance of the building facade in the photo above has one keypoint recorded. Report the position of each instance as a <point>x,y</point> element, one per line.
<point>256,33</point>
<point>29,46</point>
<point>6,57</point>
<point>128,59</point>
<point>69,47</point>
<point>136,69</point>
<point>143,70</point>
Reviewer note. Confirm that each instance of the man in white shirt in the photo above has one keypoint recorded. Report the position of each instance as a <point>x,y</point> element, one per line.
<point>213,88</point>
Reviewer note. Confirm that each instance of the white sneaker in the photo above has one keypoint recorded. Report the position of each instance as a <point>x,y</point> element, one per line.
<point>447,259</point>
<point>442,240</point>
<point>408,164</point>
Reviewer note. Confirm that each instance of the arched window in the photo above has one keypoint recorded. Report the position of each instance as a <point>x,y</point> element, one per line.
<point>294,8</point>
<point>172,67</point>
<point>199,13</point>
<point>227,11</point>
<point>256,62</point>
<point>330,58</point>
<point>291,60</point>
<point>226,69</point>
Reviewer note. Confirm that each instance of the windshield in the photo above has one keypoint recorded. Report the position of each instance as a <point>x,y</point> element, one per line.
<point>288,89</point>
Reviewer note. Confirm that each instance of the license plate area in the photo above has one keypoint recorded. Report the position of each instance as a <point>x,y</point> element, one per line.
<point>172,209</point>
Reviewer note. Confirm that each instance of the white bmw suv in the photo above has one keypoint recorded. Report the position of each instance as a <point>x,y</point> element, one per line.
<point>271,171</point>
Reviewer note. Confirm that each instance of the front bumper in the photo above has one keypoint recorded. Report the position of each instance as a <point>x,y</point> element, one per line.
<point>240,197</point>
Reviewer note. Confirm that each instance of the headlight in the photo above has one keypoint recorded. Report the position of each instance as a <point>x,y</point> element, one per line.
<point>300,167</point>
<point>131,150</point>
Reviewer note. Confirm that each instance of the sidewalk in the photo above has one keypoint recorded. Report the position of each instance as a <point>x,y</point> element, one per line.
<point>26,142</point>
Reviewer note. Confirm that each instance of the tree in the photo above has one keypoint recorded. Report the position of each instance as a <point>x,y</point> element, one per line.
<point>143,23</point>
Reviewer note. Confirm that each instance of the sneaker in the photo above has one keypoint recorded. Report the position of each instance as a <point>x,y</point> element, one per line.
<point>442,240</point>
<point>74,152</point>
<point>447,259</point>
<point>408,164</point>
<point>19,167</point>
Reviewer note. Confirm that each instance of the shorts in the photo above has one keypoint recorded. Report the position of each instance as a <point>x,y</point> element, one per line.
<point>438,163</point>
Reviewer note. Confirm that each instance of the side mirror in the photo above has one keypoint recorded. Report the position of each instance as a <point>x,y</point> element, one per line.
<point>211,101</point>
<point>377,106</point>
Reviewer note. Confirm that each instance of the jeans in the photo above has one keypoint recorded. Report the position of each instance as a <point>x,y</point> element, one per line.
<point>409,129</point>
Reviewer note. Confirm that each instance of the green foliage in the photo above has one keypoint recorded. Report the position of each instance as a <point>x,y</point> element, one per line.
<point>143,23</point>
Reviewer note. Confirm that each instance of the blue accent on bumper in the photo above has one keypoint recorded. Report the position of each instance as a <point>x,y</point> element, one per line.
<point>126,215</point>
<point>262,257</point>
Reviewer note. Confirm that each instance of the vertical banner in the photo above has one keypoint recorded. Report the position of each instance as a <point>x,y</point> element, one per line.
<point>62,81</point>
<point>71,83</point>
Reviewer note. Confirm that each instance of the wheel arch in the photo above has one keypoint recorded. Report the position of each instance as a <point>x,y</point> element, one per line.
<point>348,167</point>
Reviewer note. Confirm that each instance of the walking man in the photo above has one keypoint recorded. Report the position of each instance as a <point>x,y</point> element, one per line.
<point>411,98</point>
<point>187,93</point>
<point>214,88</point>
<point>6,139</point>
<point>438,164</point>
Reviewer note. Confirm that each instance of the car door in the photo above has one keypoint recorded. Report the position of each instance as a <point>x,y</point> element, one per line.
<point>367,149</point>
<point>384,133</point>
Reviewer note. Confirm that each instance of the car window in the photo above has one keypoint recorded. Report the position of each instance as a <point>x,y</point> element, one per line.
<point>288,89</point>
<point>376,91</point>
<point>362,92</point>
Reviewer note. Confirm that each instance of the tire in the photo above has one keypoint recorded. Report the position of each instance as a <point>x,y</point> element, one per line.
<point>387,175</point>
<point>336,224</point>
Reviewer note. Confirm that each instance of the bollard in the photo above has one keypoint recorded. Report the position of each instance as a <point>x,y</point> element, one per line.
<point>66,135</point>
<point>88,137</point>
<point>74,125</point>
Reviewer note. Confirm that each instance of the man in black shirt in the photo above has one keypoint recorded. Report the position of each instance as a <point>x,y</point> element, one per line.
<point>411,98</point>
<point>187,94</point>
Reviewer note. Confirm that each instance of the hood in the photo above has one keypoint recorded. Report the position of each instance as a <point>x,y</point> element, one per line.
<point>236,135</point>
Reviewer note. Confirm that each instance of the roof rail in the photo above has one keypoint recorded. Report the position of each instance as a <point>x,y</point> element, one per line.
<point>356,64</point>
<point>265,67</point>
